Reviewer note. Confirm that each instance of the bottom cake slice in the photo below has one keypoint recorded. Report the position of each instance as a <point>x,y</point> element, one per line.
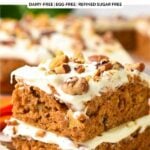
<point>133,135</point>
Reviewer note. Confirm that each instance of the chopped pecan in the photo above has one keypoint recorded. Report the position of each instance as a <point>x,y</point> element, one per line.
<point>96,76</point>
<point>64,68</point>
<point>58,60</point>
<point>101,69</point>
<point>75,86</point>
<point>80,69</point>
<point>105,67</point>
<point>40,133</point>
<point>98,58</point>
<point>78,58</point>
<point>117,66</point>
<point>137,66</point>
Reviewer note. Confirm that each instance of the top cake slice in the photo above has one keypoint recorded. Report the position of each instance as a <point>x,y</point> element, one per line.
<point>79,99</point>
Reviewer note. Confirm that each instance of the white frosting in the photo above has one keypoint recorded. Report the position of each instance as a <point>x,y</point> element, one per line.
<point>4,36</point>
<point>58,41</point>
<point>111,136</point>
<point>33,54</point>
<point>106,24</point>
<point>109,80</point>
<point>30,132</point>
<point>4,138</point>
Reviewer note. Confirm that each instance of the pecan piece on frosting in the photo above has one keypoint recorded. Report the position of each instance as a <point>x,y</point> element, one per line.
<point>117,66</point>
<point>79,69</point>
<point>101,69</point>
<point>98,58</point>
<point>64,68</point>
<point>58,60</point>
<point>78,58</point>
<point>137,66</point>
<point>75,86</point>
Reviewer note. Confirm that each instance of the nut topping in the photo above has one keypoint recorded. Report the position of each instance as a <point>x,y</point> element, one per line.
<point>78,58</point>
<point>75,86</point>
<point>101,69</point>
<point>117,66</point>
<point>98,58</point>
<point>80,69</point>
<point>64,68</point>
<point>137,66</point>
<point>105,67</point>
<point>58,61</point>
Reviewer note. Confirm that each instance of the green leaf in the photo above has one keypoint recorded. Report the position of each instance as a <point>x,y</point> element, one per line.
<point>17,11</point>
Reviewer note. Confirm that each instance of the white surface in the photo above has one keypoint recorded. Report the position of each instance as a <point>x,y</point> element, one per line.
<point>129,11</point>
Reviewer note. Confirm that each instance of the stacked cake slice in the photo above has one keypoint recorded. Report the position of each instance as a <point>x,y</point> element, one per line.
<point>70,104</point>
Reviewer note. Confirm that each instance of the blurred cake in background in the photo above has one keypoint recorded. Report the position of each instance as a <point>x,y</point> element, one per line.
<point>143,38</point>
<point>122,28</point>
<point>17,48</point>
<point>133,34</point>
<point>35,38</point>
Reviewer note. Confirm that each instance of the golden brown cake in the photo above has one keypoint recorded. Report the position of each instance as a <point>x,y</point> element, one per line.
<point>70,103</point>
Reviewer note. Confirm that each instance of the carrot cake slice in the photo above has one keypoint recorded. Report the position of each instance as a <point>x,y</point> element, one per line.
<point>69,103</point>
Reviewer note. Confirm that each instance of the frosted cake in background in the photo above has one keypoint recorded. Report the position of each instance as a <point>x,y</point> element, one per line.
<point>32,40</point>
